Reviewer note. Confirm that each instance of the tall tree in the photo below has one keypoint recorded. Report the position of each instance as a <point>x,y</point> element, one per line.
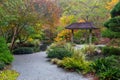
<point>21,17</point>
<point>90,11</point>
<point>49,13</point>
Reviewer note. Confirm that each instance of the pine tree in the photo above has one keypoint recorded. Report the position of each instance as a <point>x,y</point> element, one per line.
<point>114,23</point>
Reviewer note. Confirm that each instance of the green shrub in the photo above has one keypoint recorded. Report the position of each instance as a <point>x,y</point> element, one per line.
<point>78,37</point>
<point>88,49</point>
<point>36,49</point>
<point>75,64</point>
<point>5,55</point>
<point>110,34</point>
<point>23,50</point>
<point>8,75</point>
<point>111,51</point>
<point>69,47</point>
<point>57,50</point>
<point>78,54</point>
<point>35,45</point>
<point>106,68</point>
<point>57,44</point>
<point>59,53</point>
<point>2,65</point>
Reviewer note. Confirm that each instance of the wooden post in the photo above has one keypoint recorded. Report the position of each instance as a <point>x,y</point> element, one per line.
<point>90,36</point>
<point>72,37</point>
<point>86,36</point>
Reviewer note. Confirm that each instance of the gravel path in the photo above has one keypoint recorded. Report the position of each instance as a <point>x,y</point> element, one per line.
<point>36,67</point>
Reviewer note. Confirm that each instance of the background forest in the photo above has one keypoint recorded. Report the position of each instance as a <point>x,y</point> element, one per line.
<point>29,21</point>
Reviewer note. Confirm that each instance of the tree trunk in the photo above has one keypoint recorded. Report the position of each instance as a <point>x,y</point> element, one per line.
<point>1,32</point>
<point>13,38</point>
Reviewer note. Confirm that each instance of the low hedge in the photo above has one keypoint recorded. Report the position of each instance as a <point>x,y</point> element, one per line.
<point>23,50</point>
<point>59,53</point>
<point>111,51</point>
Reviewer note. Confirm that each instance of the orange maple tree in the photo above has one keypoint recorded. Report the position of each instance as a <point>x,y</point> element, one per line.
<point>111,4</point>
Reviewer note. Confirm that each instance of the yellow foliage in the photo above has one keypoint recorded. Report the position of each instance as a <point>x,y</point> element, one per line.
<point>62,35</point>
<point>81,20</point>
<point>111,4</point>
<point>38,24</point>
<point>8,75</point>
<point>64,20</point>
<point>30,40</point>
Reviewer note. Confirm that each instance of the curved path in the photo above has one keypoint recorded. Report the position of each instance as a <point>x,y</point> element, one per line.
<point>36,67</point>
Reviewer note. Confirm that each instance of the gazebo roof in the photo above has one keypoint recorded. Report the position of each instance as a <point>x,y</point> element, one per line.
<point>83,25</point>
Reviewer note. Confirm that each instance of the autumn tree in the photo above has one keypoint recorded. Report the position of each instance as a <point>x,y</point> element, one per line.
<point>89,11</point>
<point>21,18</point>
<point>62,33</point>
<point>111,4</point>
<point>50,15</point>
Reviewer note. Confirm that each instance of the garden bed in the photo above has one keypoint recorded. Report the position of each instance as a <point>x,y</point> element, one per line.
<point>86,60</point>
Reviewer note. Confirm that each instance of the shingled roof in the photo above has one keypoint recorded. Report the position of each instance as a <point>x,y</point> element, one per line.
<point>83,25</point>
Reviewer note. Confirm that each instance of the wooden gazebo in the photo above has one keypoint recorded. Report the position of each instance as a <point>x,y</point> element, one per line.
<point>82,25</point>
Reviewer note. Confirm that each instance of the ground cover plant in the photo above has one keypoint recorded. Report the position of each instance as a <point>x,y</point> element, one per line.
<point>106,68</point>
<point>86,60</point>
<point>8,75</point>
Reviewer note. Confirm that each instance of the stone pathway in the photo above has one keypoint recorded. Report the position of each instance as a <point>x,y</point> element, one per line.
<point>36,67</point>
